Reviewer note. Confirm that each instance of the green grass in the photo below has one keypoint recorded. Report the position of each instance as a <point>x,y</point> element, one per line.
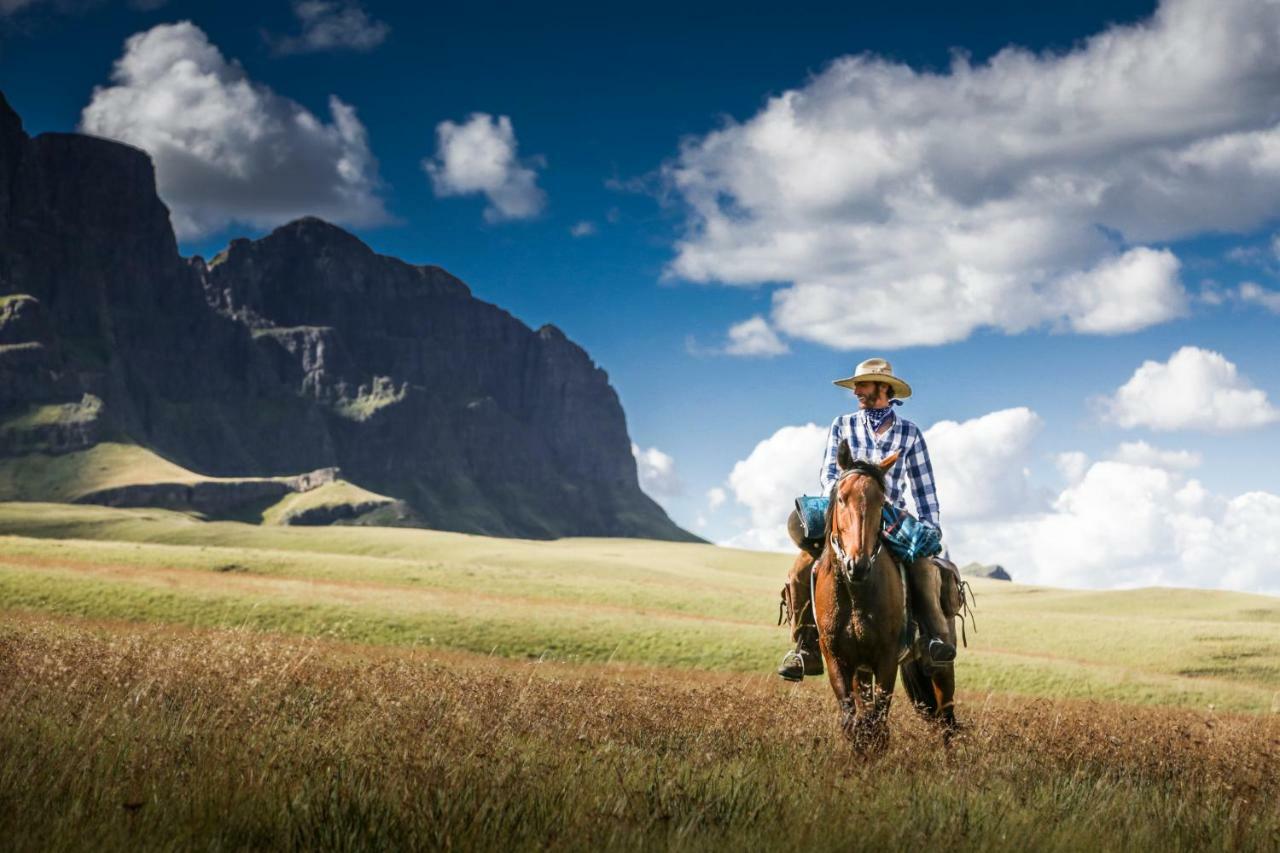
<point>128,737</point>
<point>593,600</point>
<point>87,409</point>
<point>172,683</point>
<point>330,495</point>
<point>67,476</point>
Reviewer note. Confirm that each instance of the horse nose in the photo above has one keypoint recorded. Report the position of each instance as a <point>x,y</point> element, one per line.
<point>862,566</point>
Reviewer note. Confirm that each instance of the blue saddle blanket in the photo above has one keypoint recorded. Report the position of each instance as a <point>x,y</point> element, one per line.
<point>906,537</point>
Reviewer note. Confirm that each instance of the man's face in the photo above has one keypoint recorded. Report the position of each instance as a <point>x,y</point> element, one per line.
<point>871,395</point>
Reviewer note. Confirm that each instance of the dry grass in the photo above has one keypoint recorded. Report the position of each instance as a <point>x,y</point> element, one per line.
<point>123,736</point>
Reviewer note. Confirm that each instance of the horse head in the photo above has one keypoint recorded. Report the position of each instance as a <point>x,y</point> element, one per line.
<point>853,523</point>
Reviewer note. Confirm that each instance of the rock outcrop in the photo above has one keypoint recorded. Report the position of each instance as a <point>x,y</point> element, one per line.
<point>297,351</point>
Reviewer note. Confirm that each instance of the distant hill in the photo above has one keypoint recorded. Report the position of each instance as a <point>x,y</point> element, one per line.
<point>300,351</point>
<point>978,570</point>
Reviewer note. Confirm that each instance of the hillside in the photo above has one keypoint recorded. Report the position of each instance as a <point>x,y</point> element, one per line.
<point>596,600</point>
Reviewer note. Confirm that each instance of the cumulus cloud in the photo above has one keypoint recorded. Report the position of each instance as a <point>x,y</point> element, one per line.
<point>1136,518</point>
<point>980,465</point>
<point>1141,453</point>
<point>657,472</point>
<point>768,481</point>
<point>754,337</point>
<point>903,207</point>
<point>1194,389</point>
<point>1072,465</point>
<point>1254,293</point>
<point>582,229</point>
<point>227,149</point>
<point>479,156</point>
<point>1125,525</point>
<point>715,498</point>
<point>330,25</point>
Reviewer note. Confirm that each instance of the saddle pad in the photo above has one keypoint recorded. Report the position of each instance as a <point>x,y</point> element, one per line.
<point>813,515</point>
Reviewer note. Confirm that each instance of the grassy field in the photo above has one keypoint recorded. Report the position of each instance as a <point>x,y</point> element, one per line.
<point>170,682</point>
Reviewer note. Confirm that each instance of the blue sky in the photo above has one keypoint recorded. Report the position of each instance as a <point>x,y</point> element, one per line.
<point>653,124</point>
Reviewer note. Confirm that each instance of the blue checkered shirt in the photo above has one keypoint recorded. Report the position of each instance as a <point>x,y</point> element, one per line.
<point>905,438</point>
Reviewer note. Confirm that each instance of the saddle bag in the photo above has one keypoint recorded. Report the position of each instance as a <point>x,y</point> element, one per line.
<point>906,537</point>
<point>813,515</point>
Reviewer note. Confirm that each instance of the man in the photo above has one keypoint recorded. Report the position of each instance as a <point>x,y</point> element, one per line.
<point>874,432</point>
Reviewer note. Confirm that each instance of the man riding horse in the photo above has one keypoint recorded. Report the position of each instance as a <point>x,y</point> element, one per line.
<point>874,432</point>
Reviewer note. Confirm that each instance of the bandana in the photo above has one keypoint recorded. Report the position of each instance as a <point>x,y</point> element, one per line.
<point>877,417</point>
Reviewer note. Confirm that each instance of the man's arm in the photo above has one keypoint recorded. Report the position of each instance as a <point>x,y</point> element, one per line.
<point>920,475</point>
<point>830,470</point>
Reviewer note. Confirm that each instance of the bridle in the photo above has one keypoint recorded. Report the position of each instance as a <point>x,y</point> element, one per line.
<point>854,572</point>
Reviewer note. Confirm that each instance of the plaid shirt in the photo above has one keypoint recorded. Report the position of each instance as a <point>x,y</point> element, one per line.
<point>902,436</point>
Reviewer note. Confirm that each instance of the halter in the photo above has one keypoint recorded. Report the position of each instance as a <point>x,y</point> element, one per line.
<point>849,570</point>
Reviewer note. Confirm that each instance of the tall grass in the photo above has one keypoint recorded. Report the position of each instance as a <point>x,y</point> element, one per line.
<point>122,736</point>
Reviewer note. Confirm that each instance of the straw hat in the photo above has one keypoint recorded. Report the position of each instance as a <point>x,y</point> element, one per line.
<point>877,370</point>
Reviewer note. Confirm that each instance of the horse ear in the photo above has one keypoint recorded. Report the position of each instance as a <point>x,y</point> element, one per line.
<point>844,456</point>
<point>887,462</point>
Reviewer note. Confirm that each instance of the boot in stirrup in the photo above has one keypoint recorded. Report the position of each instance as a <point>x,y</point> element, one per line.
<point>804,659</point>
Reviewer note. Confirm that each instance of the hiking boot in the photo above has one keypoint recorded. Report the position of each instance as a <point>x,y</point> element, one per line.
<point>940,651</point>
<point>799,662</point>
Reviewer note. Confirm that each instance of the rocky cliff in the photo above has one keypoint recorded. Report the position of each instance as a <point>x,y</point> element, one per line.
<point>301,350</point>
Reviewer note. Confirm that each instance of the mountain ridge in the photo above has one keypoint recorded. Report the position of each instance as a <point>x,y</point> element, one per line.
<point>300,350</point>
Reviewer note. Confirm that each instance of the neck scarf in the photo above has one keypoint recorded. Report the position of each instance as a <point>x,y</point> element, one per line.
<point>877,417</point>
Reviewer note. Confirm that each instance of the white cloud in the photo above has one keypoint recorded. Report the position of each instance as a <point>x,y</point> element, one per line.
<point>1125,525</point>
<point>715,498</point>
<point>779,469</point>
<point>1141,453</point>
<point>582,229</point>
<point>1072,465</point>
<point>1134,519</point>
<point>657,472</point>
<point>1254,293</point>
<point>754,337</point>
<point>227,149</point>
<point>906,207</point>
<point>1123,294</point>
<point>479,156</point>
<point>980,465</point>
<point>1195,389</point>
<point>331,25</point>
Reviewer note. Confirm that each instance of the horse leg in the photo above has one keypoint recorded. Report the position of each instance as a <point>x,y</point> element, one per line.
<point>841,677</point>
<point>881,700</point>
<point>868,704</point>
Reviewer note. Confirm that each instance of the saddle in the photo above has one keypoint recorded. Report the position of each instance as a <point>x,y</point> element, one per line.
<point>906,537</point>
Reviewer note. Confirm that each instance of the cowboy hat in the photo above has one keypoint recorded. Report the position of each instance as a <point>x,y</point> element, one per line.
<point>877,370</point>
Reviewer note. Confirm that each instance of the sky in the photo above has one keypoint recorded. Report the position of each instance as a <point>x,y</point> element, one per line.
<point>1060,224</point>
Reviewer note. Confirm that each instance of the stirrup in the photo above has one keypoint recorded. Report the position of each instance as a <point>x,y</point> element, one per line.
<point>792,667</point>
<point>940,651</point>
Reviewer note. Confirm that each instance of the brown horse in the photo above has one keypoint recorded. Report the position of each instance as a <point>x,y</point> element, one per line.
<point>859,600</point>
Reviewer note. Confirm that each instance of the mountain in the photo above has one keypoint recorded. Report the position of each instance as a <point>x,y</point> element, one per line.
<point>992,572</point>
<point>300,351</point>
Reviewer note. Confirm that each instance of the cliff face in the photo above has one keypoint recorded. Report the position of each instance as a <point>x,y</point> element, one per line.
<point>301,350</point>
